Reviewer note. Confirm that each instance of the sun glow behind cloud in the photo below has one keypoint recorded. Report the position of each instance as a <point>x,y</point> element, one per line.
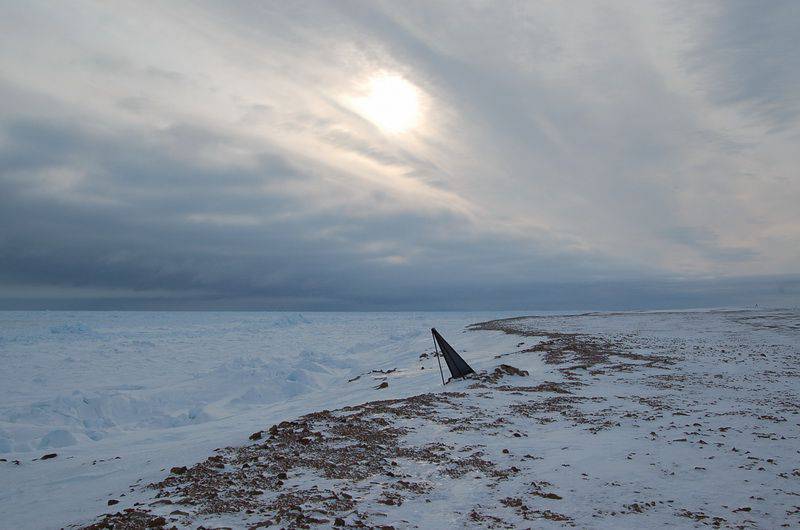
<point>484,152</point>
<point>390,102</point>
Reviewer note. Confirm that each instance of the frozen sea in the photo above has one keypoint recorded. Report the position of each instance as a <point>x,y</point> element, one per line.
<point>119,396</point>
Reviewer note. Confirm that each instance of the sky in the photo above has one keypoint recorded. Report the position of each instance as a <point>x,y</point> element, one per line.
<point>399,155</point>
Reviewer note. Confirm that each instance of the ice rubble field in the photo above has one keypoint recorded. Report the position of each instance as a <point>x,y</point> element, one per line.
<point>161,389</point>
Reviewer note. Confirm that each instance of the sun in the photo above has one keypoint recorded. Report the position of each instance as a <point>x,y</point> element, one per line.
<point>390,102</point>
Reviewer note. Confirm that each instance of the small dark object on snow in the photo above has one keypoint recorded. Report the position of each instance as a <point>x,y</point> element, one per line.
<point>178,470</point>
<point>48,456</point>
<point>256,435</point>
<point>458,366</point>
<point>157,522</point>
<point>112,502</point>
<point>553,496</point>
<point>382,385</point>
<point>507,369</point>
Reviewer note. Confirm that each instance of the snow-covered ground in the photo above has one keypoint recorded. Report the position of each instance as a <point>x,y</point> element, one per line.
<point>625,420</point>
<point>158,389</point>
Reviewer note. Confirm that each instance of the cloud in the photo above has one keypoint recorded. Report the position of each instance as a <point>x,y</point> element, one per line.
<point>209,158</point>
<point>748,57</point>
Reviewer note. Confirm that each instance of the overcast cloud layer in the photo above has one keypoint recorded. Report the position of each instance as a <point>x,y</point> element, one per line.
<point>568,155</point>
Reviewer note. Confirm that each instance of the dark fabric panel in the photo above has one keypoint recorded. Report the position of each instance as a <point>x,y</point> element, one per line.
<point>458,366</point>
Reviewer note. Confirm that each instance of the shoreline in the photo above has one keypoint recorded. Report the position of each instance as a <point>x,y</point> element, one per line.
<point>603,430</point>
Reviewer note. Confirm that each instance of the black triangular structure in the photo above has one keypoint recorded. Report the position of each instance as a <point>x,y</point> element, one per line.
<point>458,366</point>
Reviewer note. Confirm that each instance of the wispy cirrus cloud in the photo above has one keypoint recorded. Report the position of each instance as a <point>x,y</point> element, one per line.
<point>211,153</point>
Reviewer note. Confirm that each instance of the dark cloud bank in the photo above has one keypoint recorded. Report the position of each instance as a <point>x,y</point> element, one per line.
<point>594,158</point>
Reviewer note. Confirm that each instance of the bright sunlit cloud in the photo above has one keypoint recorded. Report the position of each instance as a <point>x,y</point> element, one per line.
<point>391,103</point>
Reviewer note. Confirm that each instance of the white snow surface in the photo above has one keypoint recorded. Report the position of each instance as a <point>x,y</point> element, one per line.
<point>122,397</point>
<point>160,389</point>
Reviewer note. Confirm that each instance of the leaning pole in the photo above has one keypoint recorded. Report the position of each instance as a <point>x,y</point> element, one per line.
<point>435,347</point>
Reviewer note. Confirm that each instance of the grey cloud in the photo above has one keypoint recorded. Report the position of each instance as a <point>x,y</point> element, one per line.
<point>144,241</point>
<point>707,242</point>
<point>749,51</point>
<point>168,75</point>
<point>564,161</point>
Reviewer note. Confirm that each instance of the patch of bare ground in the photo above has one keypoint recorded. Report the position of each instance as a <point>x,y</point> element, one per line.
<point>580,351</point>
<point>130,519</point>
<point>547,386</point>
<point>567,407</point>
<point>500,372</point>
<point>359,466</point>
<point>701,517</point>
<point>353,449</point>
<point>478,517</point>
<point>529,514</point>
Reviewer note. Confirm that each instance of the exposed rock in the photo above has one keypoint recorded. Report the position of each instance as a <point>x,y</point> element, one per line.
<point>257,435</point>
